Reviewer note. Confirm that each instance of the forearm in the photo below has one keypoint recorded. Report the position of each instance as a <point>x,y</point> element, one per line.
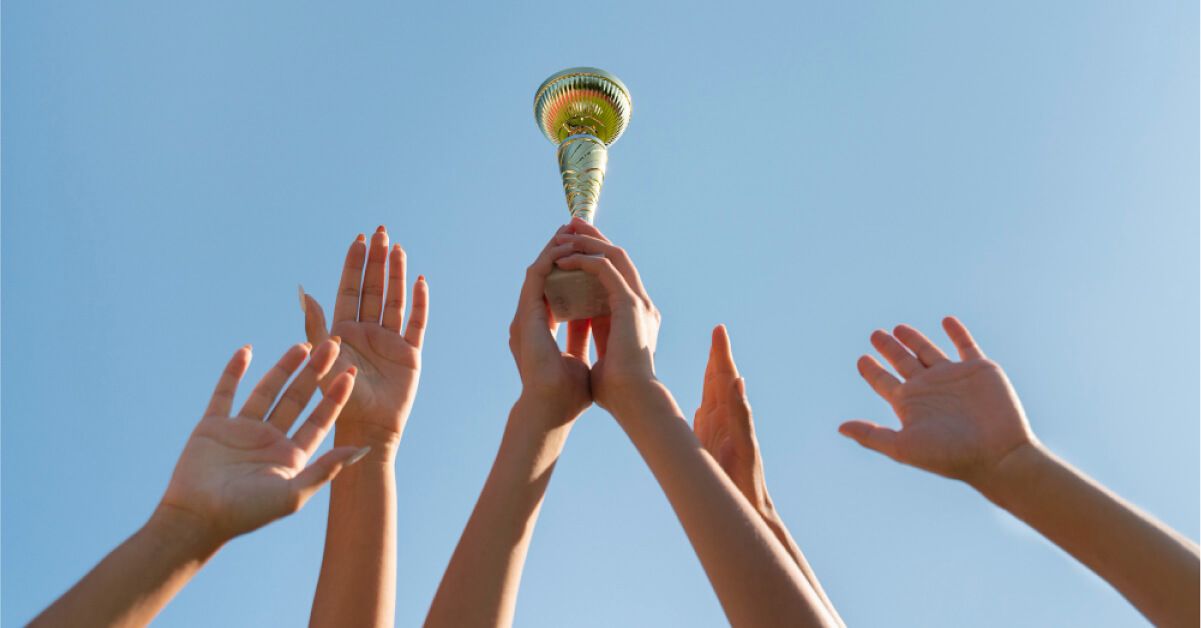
<point>357,586</point>
<point>776,524</point>
<point>481,583</point>
<point>134,582</point>
<point>1155,568</point>
<point>756,581</point>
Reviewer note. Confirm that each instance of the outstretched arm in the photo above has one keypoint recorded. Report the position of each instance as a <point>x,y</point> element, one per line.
<point>235,475</point>
<point>724,426</point>
<point>480,585</point>
<point>357,586</point>
<point>755,579</point>
<point>963,420</point>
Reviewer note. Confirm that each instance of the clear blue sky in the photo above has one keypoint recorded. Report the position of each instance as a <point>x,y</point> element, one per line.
<point>803,172</point>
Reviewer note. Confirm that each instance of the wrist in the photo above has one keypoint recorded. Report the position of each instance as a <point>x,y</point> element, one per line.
<point>184,531</point>
<point>382,440</point>
<point>632,399</point>
<point>541,413</point>
<point>1014,473</point>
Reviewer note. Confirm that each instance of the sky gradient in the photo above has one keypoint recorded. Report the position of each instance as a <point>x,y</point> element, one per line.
<point>802,172</point>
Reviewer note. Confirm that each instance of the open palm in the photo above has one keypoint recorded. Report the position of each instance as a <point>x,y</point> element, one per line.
<point>240,473</point>
<point>958,419</point>
<point>368,327</point>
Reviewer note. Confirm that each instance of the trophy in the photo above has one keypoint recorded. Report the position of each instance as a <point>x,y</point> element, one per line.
<point>582,111</point>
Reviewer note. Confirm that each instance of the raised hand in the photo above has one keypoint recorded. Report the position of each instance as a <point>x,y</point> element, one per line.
<point>239,473</point>
<point>368,321</point>
<point>625,340</point>
<point>724,425</point>
<point>725,428</point>
<point>958,419</point>
<point>558,380</point>
<point>235,474</point>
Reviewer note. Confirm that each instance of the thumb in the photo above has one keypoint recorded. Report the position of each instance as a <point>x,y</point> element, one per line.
<point>316,475</point>
<point>314,319</point>
<point>870,435</point>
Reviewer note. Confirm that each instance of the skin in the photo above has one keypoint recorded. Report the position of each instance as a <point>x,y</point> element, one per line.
<point>235,475</point>
<point>756,580</point>
<point>357,586</point>
<point>726,429</point>
<point>481,582</point>
<point>963,420</point>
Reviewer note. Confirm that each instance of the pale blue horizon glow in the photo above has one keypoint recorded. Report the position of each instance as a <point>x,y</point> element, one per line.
<point>802,172</point>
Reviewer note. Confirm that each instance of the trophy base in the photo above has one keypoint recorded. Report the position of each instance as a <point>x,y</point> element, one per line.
<point>574,294</point>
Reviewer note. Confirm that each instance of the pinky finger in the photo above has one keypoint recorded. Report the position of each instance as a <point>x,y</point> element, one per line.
<point>309,436</point>
<point>415,330</point>
<point>962,339</point>
<point>313,477</point>
<point>871,436</point>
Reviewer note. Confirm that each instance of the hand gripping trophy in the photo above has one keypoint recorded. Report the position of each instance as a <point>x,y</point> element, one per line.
<point>582,111</point>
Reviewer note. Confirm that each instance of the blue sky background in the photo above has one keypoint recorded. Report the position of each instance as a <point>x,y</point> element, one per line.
<point>803,172</point>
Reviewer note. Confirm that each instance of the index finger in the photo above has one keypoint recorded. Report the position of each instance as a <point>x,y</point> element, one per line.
<point>535,277</point>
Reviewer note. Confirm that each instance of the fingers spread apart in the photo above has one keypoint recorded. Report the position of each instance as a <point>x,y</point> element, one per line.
<point>297,396</point>
<point>884,383</point>
<point>926,351</point>
<point>962,339</point>
<point>897,355</point>
<point>310,434</point>
<point>268,388</point>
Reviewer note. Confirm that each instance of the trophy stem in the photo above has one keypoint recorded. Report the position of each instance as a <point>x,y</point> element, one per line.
<point>582,162</point>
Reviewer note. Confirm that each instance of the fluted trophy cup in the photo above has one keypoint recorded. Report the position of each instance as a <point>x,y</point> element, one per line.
<point>582,111</point>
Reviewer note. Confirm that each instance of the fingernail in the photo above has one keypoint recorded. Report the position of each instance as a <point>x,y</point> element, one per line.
<point>304,306</point>
<point>381,229</point>
<point>337,339</point>
<point>308,346</point>
<point>248,347</point>
<point>360,238</point>
<point>358,455</point>
<point>354,370</point>
<point>421,278</point>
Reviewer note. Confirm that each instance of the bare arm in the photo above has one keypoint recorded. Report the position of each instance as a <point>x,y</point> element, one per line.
<point>963,420</point>
<point>234,475</point>
<point>755,579</point>
<point>134,582</point>
<point>481,583</point>
<point>1153,566</point>
<point>357,586</point>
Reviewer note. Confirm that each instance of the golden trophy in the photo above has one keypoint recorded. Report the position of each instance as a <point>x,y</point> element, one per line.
<point>582,111</point>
